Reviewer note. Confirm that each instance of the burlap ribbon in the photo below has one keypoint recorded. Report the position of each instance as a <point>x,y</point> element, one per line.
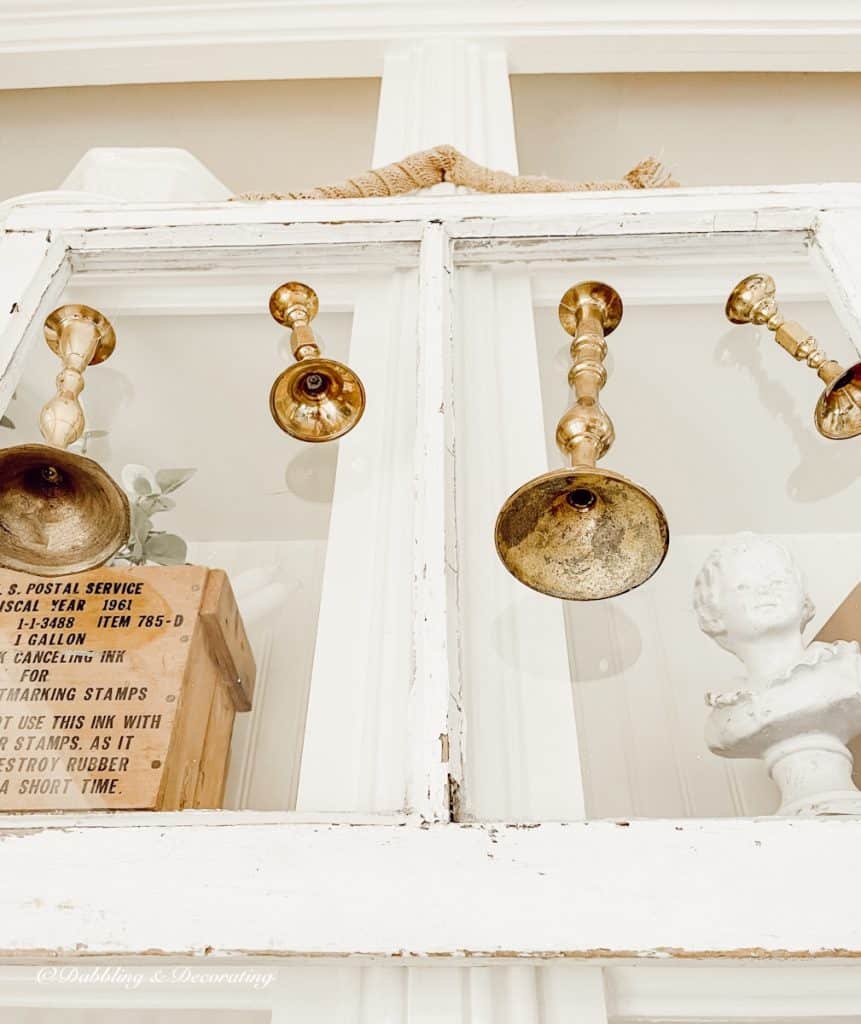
<point>445,163</point>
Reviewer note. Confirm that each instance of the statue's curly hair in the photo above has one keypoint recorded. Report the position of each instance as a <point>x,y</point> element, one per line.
<point>706,585</point>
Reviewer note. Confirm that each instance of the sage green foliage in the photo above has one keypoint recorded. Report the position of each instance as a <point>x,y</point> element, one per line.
<point>148,495</point>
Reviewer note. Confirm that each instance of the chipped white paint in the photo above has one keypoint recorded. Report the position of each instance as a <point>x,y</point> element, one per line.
<point>434,721</point>
<point>266,884</point>
<point>33,273</point>
<point>718,209</point>
<point>599,890</point>
<point>273,888</point>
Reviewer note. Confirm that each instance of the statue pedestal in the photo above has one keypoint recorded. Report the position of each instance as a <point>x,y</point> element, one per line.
<point>814,774</point>
<point>799,726</point>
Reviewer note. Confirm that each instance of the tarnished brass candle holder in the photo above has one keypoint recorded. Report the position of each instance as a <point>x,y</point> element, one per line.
<point>838,411</point>
<point>583,533</point>
<point>61,512</point>
<point>315,399</point>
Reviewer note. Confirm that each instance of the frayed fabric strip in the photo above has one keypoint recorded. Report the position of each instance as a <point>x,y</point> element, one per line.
<point>446,164</point>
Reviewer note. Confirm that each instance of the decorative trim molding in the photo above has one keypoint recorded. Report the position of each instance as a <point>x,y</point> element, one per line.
<point>70,42</point>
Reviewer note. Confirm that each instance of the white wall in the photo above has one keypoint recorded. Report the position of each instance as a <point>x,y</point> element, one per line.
<point>711,129</point>
<point>254,136</point>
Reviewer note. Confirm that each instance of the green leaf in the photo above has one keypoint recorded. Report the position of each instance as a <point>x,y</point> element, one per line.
<point>169,479</point>
<point>6,422</point>
<point>136,552</point>
<point>138,480</point>
<point>153,503</point>
<point>141,526</point>
<point>91,435</point>
<point>166,549</point>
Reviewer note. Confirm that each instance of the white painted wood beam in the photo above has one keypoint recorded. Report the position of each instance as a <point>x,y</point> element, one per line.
<point>34,269</point>
<point>434,715</point>
<point>91,229</point>
<point>597,892</point>
<point>837,250</point>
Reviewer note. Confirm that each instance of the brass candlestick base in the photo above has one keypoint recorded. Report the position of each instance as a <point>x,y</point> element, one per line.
<point>59,512</point>
<point>838,411</point>
<point>581,534</point>
<point>584,533</point>
<point>316,399</point>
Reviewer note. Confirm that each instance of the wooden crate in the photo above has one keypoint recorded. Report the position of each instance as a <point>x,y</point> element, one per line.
<point>118,688</point>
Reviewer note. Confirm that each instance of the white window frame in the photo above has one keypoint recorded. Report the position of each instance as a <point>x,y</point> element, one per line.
<point>419,887</point>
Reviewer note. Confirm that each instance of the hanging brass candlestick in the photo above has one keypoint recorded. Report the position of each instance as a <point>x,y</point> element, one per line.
<point>81,337</point>
<point>583,533</point>
<point>60,512</point>
<point>838,411</point>
<point>315,399</point>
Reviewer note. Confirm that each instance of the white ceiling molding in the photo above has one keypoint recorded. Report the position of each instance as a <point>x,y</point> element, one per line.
<point>70,42</point>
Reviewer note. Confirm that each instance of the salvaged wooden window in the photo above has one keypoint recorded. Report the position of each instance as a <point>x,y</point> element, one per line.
<point>416,707</point>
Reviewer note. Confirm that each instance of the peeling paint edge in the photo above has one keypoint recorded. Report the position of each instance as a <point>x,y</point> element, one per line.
<point>209,953</point>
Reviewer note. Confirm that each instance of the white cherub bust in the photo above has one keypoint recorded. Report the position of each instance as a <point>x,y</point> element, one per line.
<point>799,704</point>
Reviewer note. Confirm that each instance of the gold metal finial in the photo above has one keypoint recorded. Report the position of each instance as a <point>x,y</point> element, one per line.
<point>315,399</point>
<point>81,337</point>
<point>584,533</point>
<point>838,411</point>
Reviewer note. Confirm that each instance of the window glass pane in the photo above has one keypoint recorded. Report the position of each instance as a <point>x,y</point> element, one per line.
<point>188,387</point>
<point>714,420</point>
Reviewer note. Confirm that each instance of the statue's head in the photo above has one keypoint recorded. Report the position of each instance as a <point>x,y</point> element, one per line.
<point>749,587</point>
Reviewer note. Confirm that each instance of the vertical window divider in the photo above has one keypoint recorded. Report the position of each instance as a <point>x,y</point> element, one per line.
<point>433,721</point>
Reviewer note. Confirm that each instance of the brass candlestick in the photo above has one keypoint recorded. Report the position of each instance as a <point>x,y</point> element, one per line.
<point>81,337</point>
<point>583,533</point>
<point>838,410</point>
<point>61,512</point>
<point>316,399</point>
